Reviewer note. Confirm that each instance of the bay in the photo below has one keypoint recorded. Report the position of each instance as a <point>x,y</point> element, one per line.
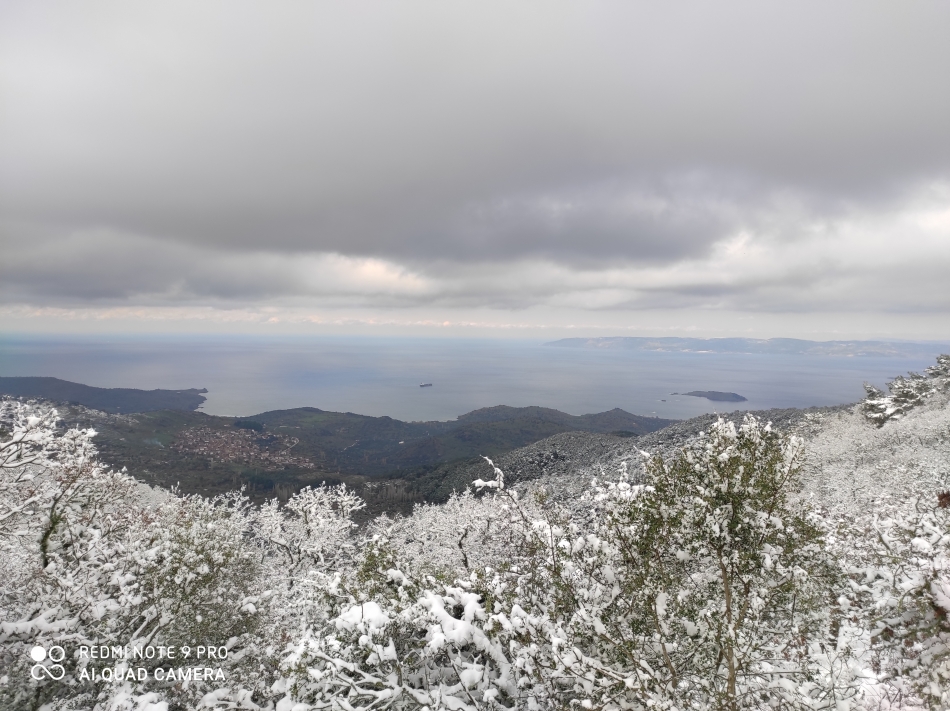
<point>381,375</point>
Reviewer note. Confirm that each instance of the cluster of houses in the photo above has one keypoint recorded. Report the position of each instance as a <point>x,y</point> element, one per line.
<point>271,452</point>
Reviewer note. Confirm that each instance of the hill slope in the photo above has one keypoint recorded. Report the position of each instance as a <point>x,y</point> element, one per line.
<point>565,463</point>
<point>276,453</point>
<point>110,400</point>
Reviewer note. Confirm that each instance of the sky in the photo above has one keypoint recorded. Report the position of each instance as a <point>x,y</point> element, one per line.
<point>506,169</point>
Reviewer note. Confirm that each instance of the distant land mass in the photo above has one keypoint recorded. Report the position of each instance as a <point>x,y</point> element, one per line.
<point>775,346</point>
<point>392,464</point>
<point>715,395</point>
<point>111,400</point>
<point>602,422</point>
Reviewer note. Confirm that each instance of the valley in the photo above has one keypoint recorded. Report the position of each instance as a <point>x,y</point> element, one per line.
<point>391,463</point>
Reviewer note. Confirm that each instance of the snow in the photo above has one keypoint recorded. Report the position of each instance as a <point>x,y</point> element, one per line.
<point>368,616</point>
<point>587,597</point>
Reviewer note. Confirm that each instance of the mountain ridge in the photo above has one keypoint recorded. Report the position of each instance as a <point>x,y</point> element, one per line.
<point>276,453</point>
<point>113,401</point>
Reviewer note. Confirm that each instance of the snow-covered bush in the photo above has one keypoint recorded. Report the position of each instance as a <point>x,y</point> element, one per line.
<point>404,630</point>
<point>881,490</point>
<point>398,642</point>
<point>84,563</point>
<point>706,587</point>
<point>751,570</point>
<point>312,531</point>
<point>902,582</point>
<point>187,576</point>
<point>467,533</point>
<point>852,467</point>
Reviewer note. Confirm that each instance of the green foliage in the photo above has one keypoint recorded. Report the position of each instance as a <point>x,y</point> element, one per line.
<point>249,425</point>
<point>699,586</point>
<point>412,457</point>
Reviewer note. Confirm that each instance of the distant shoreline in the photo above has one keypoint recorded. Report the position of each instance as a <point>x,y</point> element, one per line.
<point>114,401</point>
<point>715,395</point>
<point>755,346</point>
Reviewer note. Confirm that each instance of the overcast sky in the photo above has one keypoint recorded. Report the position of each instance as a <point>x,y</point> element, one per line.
<point>729,168</point>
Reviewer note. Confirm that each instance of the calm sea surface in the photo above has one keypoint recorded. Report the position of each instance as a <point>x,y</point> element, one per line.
<point>381,376</point>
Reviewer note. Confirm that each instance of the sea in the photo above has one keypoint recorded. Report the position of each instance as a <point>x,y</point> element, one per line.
<point>382,375</point>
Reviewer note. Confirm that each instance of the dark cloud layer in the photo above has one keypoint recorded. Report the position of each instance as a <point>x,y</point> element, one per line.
<point>203,152</point>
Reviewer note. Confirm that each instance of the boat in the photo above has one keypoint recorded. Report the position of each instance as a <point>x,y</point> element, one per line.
<point>425,385</point>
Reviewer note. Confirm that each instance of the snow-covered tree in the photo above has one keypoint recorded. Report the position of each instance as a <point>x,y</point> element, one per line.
<point>312,531</point>
<point>63,515</point>
<point>704,587</point>
<point>749,570</point>
<point>907,392</point>
<point>84,563</point>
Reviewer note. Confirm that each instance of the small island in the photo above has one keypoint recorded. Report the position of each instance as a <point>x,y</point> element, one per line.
<point>715,395</point>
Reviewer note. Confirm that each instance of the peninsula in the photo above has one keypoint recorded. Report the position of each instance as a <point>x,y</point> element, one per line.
<point>114,401</point>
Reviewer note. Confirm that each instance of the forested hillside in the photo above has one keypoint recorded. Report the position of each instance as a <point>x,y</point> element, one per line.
<point>393,464</point>
<point>797,564</point>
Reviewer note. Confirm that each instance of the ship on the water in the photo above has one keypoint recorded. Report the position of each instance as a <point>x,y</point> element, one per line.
<point>425,385</point>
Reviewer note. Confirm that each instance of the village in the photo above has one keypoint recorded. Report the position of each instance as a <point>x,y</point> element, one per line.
<point>244,446</point>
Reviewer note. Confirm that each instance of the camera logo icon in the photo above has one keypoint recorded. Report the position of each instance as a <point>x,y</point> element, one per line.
<point>53,671</point>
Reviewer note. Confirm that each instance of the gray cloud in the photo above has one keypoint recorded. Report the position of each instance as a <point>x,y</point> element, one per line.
<point>236,153</point>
